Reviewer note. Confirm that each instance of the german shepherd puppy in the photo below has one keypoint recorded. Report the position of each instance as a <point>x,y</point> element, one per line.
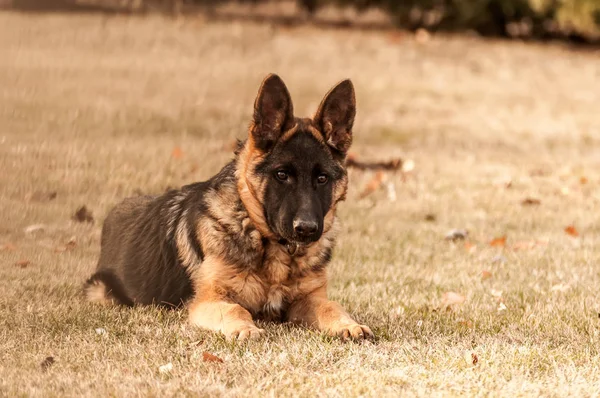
<point>253,242</point>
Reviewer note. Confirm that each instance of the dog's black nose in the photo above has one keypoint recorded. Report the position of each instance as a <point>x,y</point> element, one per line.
<point>305,229</point>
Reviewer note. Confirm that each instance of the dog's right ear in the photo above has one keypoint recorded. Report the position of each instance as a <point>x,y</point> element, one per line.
<point>273,112</point>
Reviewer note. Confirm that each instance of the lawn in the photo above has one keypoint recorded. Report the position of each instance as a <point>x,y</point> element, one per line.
<point>505,142</point>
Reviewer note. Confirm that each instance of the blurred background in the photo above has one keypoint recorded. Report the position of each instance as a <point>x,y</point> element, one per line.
<point>576,20</point>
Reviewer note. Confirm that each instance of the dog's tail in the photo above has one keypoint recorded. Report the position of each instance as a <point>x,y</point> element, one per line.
<point>104,287</point>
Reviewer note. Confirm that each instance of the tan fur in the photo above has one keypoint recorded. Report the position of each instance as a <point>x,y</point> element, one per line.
<point>98,293</point>
<point>316,311</point>
<point>247,191</point>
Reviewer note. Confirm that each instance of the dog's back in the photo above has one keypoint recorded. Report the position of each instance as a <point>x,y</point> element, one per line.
<point>138,261</point>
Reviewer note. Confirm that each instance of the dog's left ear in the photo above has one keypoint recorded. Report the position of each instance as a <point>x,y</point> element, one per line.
<point>335,116</point>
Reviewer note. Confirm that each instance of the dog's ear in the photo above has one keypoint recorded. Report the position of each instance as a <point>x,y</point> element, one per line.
<point>335,116</point>
<point>273,112</point>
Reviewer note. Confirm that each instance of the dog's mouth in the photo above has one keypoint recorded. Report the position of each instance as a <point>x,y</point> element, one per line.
<point>294,246</point>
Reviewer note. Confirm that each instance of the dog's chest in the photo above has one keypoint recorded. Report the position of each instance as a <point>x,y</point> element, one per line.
<point>268,291</point>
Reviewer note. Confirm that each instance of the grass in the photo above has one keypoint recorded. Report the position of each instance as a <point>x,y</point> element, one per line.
<point>92,107</point>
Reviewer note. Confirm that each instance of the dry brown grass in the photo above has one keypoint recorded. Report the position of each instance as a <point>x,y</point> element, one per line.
<point>92,107</point>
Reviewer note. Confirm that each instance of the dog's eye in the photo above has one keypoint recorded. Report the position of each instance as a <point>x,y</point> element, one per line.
<point>322,179</point>
<point>281,175</point>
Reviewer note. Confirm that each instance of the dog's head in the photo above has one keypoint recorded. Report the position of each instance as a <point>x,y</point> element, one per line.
<point>291,173</point>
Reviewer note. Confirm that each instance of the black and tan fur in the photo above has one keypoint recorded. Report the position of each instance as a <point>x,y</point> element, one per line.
<point>254,241</point>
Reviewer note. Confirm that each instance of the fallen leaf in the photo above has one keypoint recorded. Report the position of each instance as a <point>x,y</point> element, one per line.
<point>70,245</point>
<point>354,162</point>
<point>583,180</point>
<point>470,358</point>
<point>23,263</point>
<point>572,231</point>
<point>451,298</point>
<point>34,228</point>
<point>531,202</point>
<point>177,153</point>
<point>373,185</point>
<point>396,36</point>
<point>466,323</point>
<point>498,242</point>
<point>167,368</point>
<point>208,357</point>
<point>538,173</point>
<point>470,247</point>
<point>83,215</point>
<point>457,234</point>
<point>7,247</point>
<point>485,275</point>
<point>430,217</point>
<point>46,363</point>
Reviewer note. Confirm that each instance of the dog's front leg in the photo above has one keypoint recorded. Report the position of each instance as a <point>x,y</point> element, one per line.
<point>315,310</point>
<point>234,321</point>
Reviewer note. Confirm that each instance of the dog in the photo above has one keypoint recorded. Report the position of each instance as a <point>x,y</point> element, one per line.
<point>254,241</point>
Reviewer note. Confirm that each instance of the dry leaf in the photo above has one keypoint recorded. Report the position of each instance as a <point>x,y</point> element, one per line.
<point>7,247</point>
<point>46,363</point>
<point>430,217</point>
<point>485,275</point>
<point>498,242</point>
<point>466,323</point>
<point>457,234</point>
<point>177,153</point>
<point>470,358</point>
<point>452,298</point>
<point>23,263</point>
<point>470,247</point>
<point>70,245</point>
<point>354,162</point>
<point>373,185</point>
<point>167,368</point>
<point>572,231</point>
<point>396,36</point>
<point>583,180</point>
<point>83,215</point>
<point>208,357</point>
<point>531,202</point>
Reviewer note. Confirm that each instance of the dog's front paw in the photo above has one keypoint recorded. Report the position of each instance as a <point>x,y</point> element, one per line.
<point>353,331</point>
<point>244,332</point>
